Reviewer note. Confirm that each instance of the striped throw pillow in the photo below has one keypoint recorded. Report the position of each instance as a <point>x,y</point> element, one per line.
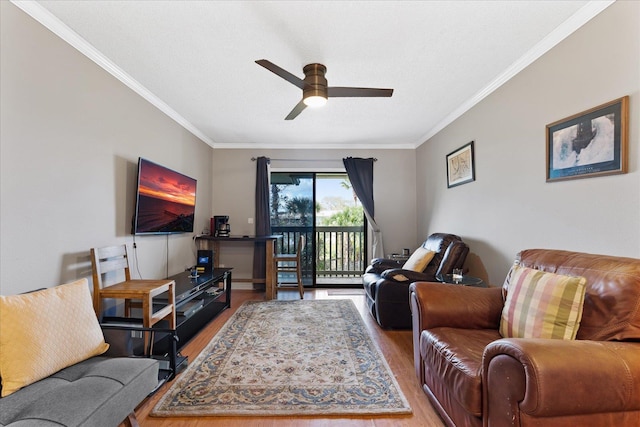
<point>542,305</point>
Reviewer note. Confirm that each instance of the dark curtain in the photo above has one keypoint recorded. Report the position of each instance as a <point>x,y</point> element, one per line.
<point>360,172</point>
<point>262,220</point>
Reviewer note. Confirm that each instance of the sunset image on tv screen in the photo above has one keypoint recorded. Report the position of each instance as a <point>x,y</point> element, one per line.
<point>166,200</point>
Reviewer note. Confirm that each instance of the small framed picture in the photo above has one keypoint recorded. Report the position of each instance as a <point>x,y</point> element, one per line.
<point>460,166</point>
<point>590,143</point>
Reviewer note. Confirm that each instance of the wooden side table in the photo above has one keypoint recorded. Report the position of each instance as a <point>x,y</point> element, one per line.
<point>115,259</point>
<point>144,291</point>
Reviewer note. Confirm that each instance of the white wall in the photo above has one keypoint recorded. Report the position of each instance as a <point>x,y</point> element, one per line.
<point>510,207</point>
<point>70,138</point>
<point>394,192</point>
<point>71,134</point>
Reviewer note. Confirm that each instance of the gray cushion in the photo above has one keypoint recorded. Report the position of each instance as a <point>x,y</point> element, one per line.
<point>98,392</point>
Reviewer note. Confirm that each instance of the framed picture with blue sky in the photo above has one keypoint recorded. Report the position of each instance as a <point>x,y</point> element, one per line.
<point>590,143</point>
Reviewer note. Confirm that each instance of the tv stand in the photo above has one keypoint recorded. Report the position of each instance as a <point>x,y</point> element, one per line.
<point>198,301</point>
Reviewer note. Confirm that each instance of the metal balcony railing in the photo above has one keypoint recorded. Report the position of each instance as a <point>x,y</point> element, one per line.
<point>339,251</point>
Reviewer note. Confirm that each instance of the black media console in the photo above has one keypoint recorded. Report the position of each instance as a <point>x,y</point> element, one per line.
<point>198,301</point>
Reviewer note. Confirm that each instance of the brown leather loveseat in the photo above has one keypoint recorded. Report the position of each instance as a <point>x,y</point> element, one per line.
<point>475,377</point>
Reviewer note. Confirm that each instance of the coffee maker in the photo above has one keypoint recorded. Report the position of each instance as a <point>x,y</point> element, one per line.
<point>220,226</point>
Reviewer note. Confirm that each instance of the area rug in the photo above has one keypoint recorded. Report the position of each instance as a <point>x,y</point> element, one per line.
<point>303,357</point>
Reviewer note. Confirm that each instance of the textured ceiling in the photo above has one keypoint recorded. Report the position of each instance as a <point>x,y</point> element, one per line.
<point>195,60</point>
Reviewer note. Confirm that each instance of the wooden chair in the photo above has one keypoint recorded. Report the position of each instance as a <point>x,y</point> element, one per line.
<point>287,263</point>
<point>136,293</point>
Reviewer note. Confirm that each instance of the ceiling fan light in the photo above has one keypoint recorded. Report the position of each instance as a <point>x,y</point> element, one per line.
<point>314,101</point>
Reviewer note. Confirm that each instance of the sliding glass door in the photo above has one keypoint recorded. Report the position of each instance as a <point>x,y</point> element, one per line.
<point>323,207</point>
<point>292,214</point>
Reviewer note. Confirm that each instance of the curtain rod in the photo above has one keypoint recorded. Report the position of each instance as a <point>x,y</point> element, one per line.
<point>253,159</point>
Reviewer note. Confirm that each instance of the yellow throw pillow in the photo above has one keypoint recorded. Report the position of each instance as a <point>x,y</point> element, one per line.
<point>419,260</point>
<point>45,331</point>
<point>542,305</point>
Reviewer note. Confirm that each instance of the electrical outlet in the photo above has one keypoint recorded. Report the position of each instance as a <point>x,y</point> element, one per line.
<point>250,220</point>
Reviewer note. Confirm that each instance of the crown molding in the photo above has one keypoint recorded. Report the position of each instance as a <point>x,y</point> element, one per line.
<point>577,20</point>
<point>50,21</point>
<point>303,146</point>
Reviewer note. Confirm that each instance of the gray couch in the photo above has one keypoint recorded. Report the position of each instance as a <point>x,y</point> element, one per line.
<point>98,392</point>
<point>96,385</point>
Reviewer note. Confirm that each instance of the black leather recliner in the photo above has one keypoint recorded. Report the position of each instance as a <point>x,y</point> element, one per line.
<point>386,284</point>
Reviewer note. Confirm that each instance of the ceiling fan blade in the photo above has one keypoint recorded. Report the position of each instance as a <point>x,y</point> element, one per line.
<point>282,73</point>
<point>359,92</point>
<point>296,110</point>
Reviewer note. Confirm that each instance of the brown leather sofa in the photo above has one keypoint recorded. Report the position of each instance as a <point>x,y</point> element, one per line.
<point>386,284</point>
<point>474,377</point>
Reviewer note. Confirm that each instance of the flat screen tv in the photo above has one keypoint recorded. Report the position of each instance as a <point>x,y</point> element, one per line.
<point>165,200</point>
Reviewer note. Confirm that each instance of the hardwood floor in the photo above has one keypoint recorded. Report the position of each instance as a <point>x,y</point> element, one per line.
<point>396,346</point>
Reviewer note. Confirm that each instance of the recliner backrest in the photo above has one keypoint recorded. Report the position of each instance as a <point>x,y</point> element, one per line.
<point>454,257</point>
<point>440,243</point>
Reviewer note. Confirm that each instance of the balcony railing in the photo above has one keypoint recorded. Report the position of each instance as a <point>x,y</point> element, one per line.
<point>339,251</point>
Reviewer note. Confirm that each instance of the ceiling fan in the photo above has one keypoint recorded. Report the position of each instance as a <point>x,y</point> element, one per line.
<point>314,87</point>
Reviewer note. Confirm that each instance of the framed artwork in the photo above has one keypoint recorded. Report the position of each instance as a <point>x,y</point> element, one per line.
<point>591,143</point>
<point>460,166</point>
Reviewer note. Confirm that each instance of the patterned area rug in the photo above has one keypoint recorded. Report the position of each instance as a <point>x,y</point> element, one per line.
<point>303,357</point>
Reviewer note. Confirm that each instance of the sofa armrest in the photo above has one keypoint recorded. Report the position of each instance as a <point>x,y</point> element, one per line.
<point>406,276</point>
<point>441,304</point>
<point>550,378</point>
<point>379,265</point>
